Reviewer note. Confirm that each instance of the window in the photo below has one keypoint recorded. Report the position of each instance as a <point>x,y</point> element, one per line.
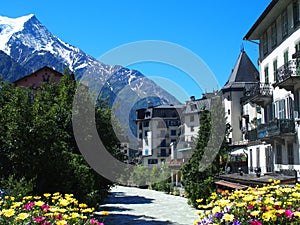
<point>192,119</point>
<point>296,14</point>
<point>146,124</point>
<point>281,109</point>
<point>266,74</point>
<point>286,58</point>
<point>163,143</point>
<point>228,112</point>
<point>152,161</point>
<point>162,133</point>
<point>275,70</point>
<point>192,129</point>
<point>265,43</point>
<point>193,107</point>
<point>284,24</point>
<point>173,140</point>
<point>290,154</point>
<point>163,152</point>
<point>274,34</point>
<point>173,132</point>
<point>290,108</point>
<point>251,161</point>
<point>257,158</point>
<point>146,133</point>
<point>278,154</point>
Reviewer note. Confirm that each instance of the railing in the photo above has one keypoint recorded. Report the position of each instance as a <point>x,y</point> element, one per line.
<point>276,128</point>
<point>287,70</point>
<point>258,89</point>
<point>251,135</point>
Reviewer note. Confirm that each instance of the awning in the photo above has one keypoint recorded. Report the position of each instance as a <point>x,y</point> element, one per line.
<point>239,152</point>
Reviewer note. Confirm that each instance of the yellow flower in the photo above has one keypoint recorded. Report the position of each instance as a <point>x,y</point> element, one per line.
<point>297,214</point>
<point>8,212</point>
<point>199,200</point>
<point>216,209</point>
<point>75,215</point>
<point>105,213</point>
<point>39,203</point>
<point>240,204</point>
<point>47,195</point>
<point>254,213</point>
<point>22,216</point>
<point>228,217</point>
<point>64,202</point>
<point>61,222</point>
<point>83,205</point>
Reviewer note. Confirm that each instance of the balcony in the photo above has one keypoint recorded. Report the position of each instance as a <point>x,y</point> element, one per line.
<point>276,129</point>
<point>259,93</point>
<point>288,76</point>
<point>251,135</point>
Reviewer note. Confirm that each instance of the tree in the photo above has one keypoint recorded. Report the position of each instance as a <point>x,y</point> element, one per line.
<point>37,140</point>
<point>204,165</point>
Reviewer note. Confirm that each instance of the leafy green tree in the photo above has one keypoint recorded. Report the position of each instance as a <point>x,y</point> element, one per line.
<point>204,165</point>
<point>37,141</point>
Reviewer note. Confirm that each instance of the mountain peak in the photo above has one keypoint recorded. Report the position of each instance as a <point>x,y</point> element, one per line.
<point>10,26</point>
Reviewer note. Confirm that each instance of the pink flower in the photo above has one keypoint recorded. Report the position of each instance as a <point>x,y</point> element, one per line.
<point>288,213</point>
<point>250,206</point>
<point>45,207</point>
<point>39,219</point>
<point>29,205</point>
<point>94,221</point>
<point>256,222</point>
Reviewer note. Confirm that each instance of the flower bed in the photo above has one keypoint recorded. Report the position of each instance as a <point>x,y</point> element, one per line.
<point>270,204</point>
<point>56,209</point>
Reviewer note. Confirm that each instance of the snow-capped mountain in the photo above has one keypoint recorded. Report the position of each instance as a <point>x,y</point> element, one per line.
<point>31,45</point>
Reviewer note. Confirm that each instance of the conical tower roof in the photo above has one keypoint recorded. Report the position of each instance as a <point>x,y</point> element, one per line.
<point>244,72</point>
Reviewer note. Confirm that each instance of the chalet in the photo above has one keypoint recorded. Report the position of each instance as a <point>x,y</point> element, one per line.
<point>34,80</point>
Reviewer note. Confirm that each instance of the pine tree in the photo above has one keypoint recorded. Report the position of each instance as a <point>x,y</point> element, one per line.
<point>204,165</point>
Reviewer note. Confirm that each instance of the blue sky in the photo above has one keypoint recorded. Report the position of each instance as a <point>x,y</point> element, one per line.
<point>213,30</point>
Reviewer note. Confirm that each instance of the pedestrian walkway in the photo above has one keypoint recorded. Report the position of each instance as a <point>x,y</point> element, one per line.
<point>134,206</point>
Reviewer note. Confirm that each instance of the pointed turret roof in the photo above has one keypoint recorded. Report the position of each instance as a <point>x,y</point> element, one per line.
<point>244,72</point>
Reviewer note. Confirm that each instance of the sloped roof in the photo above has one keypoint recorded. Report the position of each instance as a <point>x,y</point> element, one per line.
<point>243,72</point>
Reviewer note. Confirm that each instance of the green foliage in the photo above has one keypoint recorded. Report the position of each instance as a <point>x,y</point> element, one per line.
<point>37,141</point>
<point>139,176</point>
<point>199,172</point>
<point>160,178</point>
<point>17,187</point>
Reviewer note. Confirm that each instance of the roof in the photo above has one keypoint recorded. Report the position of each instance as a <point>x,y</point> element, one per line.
<point>253,180</point>
<point>231,185</point>
<point>266,18</point>
<point>37,71</point>
<point>184,149</point>
<point>243,72</point>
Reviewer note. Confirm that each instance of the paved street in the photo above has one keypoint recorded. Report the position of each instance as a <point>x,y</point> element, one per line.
<point>128,205</point>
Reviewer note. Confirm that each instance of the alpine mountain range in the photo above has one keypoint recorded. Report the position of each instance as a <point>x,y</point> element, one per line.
<point>26,45</point>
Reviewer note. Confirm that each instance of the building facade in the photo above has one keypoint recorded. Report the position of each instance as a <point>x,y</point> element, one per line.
<point>277,34</point>
<point>157,128</point>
